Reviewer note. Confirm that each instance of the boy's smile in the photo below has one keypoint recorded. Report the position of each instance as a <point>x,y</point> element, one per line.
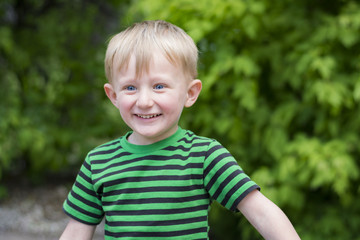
<point>148,116</point>
<point>151,104</point>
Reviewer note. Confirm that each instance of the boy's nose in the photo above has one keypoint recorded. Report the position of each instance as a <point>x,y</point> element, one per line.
<point>144,99</point>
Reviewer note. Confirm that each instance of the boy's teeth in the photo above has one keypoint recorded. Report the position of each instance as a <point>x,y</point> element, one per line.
<point>148,116</point>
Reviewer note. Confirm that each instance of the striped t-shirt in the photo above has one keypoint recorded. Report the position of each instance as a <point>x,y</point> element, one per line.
<point>158,191</point>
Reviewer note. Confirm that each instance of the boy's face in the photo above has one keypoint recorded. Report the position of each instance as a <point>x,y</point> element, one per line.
<point>151,105</point>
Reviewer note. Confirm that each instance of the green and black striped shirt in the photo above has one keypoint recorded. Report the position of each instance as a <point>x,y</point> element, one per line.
<point>158,191</point>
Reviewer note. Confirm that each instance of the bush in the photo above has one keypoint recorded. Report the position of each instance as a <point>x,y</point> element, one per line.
<point>282,80</point>
<point>53,108</point>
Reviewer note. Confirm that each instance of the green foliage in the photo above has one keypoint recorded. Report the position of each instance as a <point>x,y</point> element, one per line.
<point>281,91</point>
<point>52,108</point>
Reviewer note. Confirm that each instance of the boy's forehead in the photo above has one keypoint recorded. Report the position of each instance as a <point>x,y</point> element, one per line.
<point>138,65</point>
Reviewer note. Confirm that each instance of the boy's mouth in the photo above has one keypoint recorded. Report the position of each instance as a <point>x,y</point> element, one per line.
<point>147,116</point>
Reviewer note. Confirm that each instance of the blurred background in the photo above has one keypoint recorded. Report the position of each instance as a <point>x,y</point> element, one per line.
<point>281,92</point>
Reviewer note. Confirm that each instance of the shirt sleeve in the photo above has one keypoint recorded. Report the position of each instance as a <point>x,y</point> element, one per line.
<point>83,203</point>
<point>224,179</point>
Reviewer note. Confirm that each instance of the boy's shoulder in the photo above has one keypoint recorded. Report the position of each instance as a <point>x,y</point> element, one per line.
<point>191,139</point>
<point>191,136</point>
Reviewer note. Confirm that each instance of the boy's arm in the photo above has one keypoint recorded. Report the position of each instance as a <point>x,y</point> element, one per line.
<point>268,219</point>
<point>78,230</point>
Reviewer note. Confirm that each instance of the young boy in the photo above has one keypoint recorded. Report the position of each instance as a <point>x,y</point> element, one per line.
<point>158,181</point>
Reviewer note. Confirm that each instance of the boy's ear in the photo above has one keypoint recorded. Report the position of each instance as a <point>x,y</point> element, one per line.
<point>193,92</point>
<point>110,93</point>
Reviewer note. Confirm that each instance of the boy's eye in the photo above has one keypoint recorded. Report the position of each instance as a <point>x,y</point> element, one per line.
<point>159,86</point>
<point>130,88</point>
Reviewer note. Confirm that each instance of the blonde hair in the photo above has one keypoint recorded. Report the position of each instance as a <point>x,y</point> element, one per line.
<point>142,39</point>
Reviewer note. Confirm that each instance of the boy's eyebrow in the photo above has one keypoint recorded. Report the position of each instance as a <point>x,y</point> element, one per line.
<point>126,80</point>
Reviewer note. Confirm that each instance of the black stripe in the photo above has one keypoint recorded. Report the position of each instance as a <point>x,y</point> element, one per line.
<point>158,211</point>
<point>87,213</point>
<point>156,200</point>
<point>87,166</point>
<point>106,160</point>
<point>85,201</point>
<point>189,133</point>
<point>215,161</point>
<point>186,140</point>
<point>213,149</point>
<point>104,152</point>
<point>157,223</point>
<point>157,234</point>
<point>154,189</point>
<point>80,220</point>
<point>218,173</point>
<point>149,168</point>
<point>85,177</point>
<point>185,149</point>
<point>153,178</point>
<point>233,190</point>
<point>191,139</point>
<point>223,184</point>
<point>84,189</point>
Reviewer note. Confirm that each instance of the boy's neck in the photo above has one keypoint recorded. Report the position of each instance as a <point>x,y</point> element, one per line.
<point>136,139</point>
